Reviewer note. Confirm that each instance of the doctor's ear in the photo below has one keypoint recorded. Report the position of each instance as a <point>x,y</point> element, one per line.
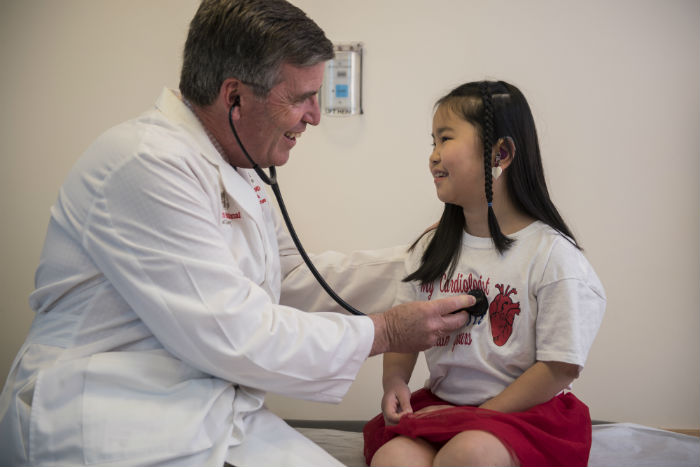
<point>229,95</point>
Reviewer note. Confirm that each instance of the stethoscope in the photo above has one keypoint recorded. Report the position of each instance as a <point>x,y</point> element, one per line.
<point>476,311</point>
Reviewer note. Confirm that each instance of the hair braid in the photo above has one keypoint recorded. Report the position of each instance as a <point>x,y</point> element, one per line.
<point>501,242</point>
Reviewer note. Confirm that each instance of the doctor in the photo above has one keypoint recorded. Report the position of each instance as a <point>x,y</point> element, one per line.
<point>168,296</point>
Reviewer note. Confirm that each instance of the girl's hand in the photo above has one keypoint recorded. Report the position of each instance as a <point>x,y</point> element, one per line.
<point>396,402</point>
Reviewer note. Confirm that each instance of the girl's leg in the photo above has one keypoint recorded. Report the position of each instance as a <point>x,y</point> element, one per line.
<point>474,448</point>
<point>404,451</point>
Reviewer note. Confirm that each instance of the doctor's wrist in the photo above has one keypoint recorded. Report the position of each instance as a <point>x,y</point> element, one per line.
<point>381,335</point>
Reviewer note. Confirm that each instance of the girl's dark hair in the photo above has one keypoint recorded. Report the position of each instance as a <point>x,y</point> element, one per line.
<point>497,110</point>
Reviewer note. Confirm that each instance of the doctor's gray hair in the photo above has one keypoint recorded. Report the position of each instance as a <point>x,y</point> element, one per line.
<point>248,40</point>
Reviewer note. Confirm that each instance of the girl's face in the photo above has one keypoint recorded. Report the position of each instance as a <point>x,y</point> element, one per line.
<point>457,161</point>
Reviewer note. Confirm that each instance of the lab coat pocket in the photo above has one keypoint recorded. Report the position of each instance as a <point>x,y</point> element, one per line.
<point>149,406</point>
<point>54,424</point>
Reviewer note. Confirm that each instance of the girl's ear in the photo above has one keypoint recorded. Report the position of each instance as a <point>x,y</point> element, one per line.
<point>503,152</point>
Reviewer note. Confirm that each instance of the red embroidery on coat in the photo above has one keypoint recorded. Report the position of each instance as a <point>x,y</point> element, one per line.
<point>258,190</point>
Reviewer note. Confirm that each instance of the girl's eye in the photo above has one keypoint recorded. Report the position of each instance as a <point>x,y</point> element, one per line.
<point>441,140</point>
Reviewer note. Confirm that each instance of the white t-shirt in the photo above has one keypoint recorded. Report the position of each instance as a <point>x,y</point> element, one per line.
<point>545,304</point>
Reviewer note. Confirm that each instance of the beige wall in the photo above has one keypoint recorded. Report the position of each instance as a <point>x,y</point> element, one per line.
<point>614,86</point>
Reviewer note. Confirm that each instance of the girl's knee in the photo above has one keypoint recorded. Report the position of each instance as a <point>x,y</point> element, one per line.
<point>403,451</point>
<point>475,448</point>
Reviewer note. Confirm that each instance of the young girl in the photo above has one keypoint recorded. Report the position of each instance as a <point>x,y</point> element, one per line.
<point>497,392</point>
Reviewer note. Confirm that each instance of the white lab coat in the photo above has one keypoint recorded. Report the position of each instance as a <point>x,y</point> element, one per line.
<point>158,327</point>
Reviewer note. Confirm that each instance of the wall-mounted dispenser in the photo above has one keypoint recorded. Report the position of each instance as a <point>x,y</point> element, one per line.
<point>341,93</point>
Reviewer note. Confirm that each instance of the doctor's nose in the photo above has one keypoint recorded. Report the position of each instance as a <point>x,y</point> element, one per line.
<point>312,116</point>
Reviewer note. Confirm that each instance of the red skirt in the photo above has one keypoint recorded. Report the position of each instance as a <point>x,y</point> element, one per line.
<point>556,433</point>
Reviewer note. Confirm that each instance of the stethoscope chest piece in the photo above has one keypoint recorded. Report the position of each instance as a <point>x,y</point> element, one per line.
<point>480,307</point>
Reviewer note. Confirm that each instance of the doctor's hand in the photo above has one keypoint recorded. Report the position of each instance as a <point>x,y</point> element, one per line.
<point>416,326</point>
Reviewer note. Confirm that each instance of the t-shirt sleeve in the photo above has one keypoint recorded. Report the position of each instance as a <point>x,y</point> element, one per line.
<point>411,291</point>
<point>570,306</point>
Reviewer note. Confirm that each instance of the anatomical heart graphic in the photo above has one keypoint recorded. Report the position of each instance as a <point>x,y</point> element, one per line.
<point>502,313</point>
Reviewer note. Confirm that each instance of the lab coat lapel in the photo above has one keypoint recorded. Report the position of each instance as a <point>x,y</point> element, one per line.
<point>232,182</point>
<point>240,189</point>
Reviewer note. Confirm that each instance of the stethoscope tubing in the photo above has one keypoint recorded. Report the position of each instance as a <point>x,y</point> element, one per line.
<point>477,310</point>
<point>271,180</point>
<point>307,260</point>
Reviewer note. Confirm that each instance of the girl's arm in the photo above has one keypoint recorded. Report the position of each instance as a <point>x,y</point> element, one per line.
<point>398,368</point>
<point>537,385</point>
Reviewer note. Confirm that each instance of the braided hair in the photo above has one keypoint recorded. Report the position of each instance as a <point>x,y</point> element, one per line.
<point>500,241</point>
<point>496,109</point>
